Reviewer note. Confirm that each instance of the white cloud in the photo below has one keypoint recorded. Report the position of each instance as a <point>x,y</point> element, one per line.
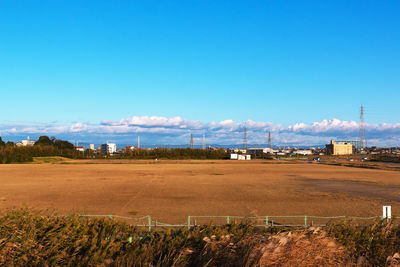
<point>159,130</point>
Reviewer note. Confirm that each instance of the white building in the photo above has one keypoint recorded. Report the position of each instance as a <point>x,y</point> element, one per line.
<point>91,147</point>
<point>240,157</point>
<point>303,152</point>
<point>28,142</point>
<point>109,148</point>
<point>80,148</point>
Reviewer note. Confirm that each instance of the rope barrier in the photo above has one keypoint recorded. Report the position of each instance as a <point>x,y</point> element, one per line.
<point>267,220</point>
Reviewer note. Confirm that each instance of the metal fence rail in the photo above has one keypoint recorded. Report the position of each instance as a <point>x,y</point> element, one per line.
<point>259,221</point>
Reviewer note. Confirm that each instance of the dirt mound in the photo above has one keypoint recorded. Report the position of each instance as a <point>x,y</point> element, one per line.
<point>310,247</point>
<point>305,248</point>
<point>393,261</point>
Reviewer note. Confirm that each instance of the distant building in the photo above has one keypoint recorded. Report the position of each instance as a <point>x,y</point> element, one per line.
<point>339,148</point>
<point>240,157</point>
<point>303,152</point>
<point>108,148</point>
<point>237,150</point>
<point>80,148</point>
<point>28,142</point>
<point>129,148</point>
<point>266,150</point>
<point>91,147</point>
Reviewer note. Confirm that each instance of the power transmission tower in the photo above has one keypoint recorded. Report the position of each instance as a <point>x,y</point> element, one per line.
<point>191,141</point>
<point>245,138</point>
<point>363,139</point>
<point>269,140</point>
<point>204,142</point>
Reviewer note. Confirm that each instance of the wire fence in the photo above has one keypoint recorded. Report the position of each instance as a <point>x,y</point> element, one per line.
<point>258,221</point>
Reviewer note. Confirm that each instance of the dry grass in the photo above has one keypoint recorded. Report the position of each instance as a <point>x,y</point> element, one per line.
<point>171,190</point>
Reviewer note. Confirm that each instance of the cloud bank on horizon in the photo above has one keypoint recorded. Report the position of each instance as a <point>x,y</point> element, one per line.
<point>176,131</point>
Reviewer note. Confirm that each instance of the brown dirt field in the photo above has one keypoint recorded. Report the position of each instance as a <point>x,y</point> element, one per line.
<point>169,191</point>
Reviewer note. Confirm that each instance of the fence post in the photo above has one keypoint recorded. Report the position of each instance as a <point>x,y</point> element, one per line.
<point>305,220</point>
<point>227,219</point>
<point>149,222</point>
<point>188,223</point>
<point>266,221</point>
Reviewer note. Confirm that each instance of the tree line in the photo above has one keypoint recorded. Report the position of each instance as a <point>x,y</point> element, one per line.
<point>49,147</point>
<point>43,147</point>
<point>173,153</point>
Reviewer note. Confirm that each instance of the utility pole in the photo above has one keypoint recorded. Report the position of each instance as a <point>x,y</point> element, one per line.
<point>204,142</point>
<point>138,141</point>
<point>191,141</point>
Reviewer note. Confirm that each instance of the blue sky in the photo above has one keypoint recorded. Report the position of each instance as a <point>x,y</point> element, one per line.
<point>281,62</point>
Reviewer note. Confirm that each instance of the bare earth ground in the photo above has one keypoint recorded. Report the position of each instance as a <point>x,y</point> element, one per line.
<point>169,191</point>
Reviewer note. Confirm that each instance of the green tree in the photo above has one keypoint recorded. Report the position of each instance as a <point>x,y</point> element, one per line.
<point>2,142</point>
<point>44,141</point>
<point>9,143</point>
<point>61,144</point>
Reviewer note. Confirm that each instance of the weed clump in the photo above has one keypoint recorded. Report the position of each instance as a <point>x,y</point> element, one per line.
<point>372,244</point>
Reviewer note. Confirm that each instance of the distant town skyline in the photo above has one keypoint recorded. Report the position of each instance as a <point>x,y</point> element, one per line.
<point>87,68</point>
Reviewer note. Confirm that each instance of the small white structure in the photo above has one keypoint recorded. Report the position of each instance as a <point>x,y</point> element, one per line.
<point>80,148</point>
<point>387,212</point>
<point>91,147</point>
<point>28,142</point>
<point>303,152</point>
<point>109,148</point>
<point>240,157</point>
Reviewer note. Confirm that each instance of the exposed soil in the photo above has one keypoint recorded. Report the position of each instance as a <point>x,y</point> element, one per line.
<point>388,193</point>
<point>170,191</point>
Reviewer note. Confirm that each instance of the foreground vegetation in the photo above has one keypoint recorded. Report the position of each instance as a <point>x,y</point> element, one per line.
<point>30,239</point>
